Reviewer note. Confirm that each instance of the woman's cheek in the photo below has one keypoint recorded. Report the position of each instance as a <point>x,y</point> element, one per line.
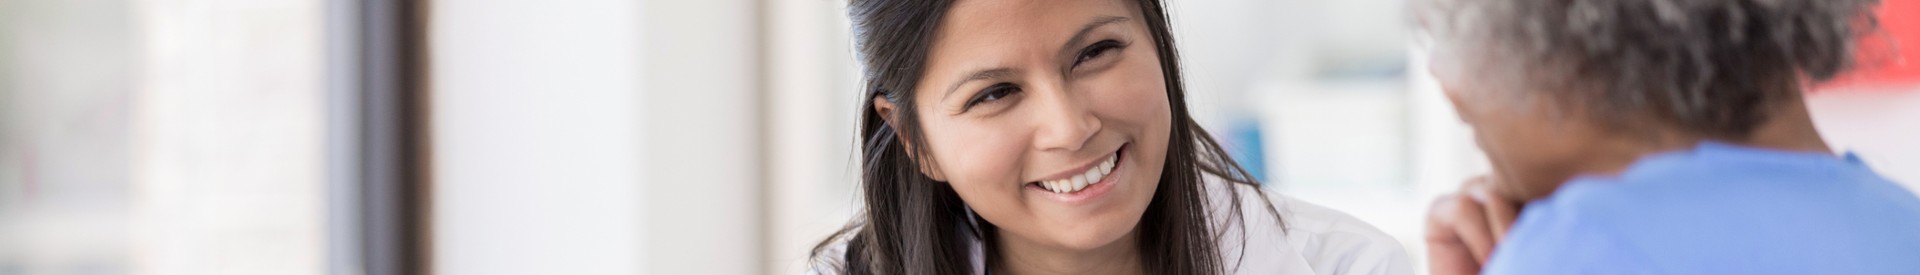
<point>986,177</point>
<point>1133,91</point>
<point>979,160</point>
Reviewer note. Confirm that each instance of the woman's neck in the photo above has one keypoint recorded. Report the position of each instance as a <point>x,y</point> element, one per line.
<point>1025,257</point>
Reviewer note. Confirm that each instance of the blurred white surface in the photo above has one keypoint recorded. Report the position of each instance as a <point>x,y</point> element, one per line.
<point>1881,126</point>
<point>811,99</point>
<point>64,73</point>
<point>537,133</point>
<point>227,143</point>
<point>161,137</point>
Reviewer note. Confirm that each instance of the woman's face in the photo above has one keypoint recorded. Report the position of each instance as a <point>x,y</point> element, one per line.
<point>1049,118</point>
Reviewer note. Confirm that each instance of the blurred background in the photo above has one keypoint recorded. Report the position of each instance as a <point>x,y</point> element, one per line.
<point>636,136</point>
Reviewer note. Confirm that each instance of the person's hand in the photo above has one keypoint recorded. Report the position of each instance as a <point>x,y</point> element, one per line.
<point>1463,227</point>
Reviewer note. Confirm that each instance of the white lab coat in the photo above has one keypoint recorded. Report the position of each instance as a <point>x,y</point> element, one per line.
<point>1316,240</point>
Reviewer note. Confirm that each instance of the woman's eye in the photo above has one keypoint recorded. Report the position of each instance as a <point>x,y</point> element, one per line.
<point>1096,51</point>
<point>993,93</point>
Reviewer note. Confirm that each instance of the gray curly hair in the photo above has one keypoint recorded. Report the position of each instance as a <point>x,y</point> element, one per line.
<point>1709,66</point>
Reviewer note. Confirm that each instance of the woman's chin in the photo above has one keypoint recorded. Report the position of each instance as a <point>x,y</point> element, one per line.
<point>1090,239</point>
<point>1097,228</point>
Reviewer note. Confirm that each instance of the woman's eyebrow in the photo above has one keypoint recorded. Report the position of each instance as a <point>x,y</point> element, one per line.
<point>978,75</point>
<point>1086,30</point>
<point>1078,37</point>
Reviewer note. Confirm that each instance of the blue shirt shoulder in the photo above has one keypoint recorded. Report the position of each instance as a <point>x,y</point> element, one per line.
<point>1720,209</point>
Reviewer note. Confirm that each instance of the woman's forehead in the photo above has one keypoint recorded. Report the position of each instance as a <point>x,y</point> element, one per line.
<point>1014,19</point>
<point>1005,34</point>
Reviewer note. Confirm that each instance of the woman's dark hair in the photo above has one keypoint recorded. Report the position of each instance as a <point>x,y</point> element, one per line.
<point>1713,67</point>
<point>912,224</point>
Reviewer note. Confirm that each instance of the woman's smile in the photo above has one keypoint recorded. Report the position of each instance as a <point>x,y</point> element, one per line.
<point>1083,183</point>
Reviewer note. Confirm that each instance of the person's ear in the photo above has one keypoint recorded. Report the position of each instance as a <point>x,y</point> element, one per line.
<point>885,108</point>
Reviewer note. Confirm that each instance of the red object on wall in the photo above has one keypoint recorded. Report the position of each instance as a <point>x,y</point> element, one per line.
<point>1889,59</point>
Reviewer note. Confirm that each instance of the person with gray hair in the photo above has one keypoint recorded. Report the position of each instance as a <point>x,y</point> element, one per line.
<point>1658,137</point>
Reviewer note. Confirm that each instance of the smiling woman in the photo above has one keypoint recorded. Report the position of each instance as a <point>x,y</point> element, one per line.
<point>1053,137</point>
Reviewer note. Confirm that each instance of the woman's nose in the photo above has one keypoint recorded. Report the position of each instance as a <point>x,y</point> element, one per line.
<point>1065,122</point>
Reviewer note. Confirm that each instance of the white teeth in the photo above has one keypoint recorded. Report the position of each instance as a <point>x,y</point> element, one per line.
<point>1077,182</point>
<point>1094,175</point>
<point>1107,167</point>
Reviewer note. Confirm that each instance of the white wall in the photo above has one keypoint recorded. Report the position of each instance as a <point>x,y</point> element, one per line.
<point>162,137</point>
<point>537,131</point>
<point>811,99</point>
<point>227,143</point>
<point>703,143</point>
<point>597,137</point>
<point>64,152</point>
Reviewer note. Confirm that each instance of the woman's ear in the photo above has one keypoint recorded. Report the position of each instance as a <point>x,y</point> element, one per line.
<point>885,108</point>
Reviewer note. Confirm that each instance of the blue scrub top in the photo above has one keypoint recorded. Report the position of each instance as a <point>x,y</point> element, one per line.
<point>1720,209</point>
